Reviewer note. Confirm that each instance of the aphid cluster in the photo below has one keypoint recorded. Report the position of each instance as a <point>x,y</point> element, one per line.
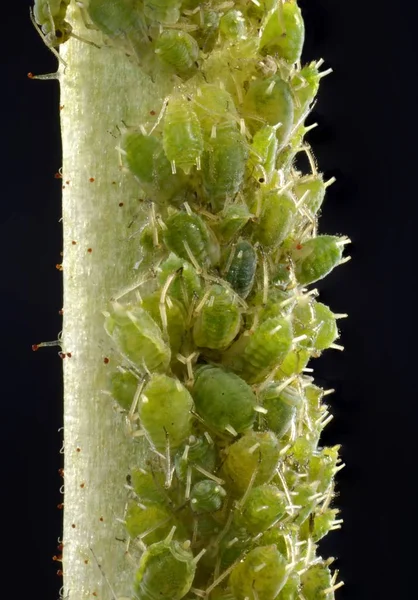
<point>215,339</point>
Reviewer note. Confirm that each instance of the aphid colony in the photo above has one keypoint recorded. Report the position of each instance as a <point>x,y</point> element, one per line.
<point>214,341</point>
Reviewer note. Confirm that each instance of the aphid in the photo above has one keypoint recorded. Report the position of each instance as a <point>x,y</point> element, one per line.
<point>50,16</point>
<point>166,570</point>
<point>123,385</point>
<point>145,158</point>
<point>166,12</point>
<point>284,33</point>
<point>182,136</point>
<point>254,356</point>
<point>305,495</point>
<point>281,406</point>
<point>207,23</point>
<point>138,337</point>
<point>316,257</point>
<point>164,411</point>
<point>188,236</point>
<point>253,458</point>
<point>223,165</point>
<point>148,487</point>
<point>323,523</point>
<point>294,362</point>
<point>278,211</point>
<point>233,219</point>
<point>187,283</point>
<point>290,590</point>
<point>206,496</point>
<point>315,583</point>
<point>263,153</point>
<point>179,50</point>
<point>317,322</point>
<point>261,575</point>
<point>196,452</point>
<point>223,400</point>
<point>313,184</point>
<point>305,85</point>
<point>269,102</point>
<point>242,268</point>
<point>322,465</point>
<point>152,517</point>
<point>264,505</point>
<point>213,107</point>
<point>170,315</point>
<point>219,319</point>
<point>232,26</point>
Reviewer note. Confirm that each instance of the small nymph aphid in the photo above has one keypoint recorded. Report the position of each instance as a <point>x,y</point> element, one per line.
<point>178,50</point>
<point>218,320</point>
<point>182,136</point>
<point>50,16</point>
<point>262,574</point>
<point>284,33</point>
<point>316,257</point>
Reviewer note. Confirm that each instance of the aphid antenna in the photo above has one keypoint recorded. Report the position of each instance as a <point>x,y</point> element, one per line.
<point>104,575</point>
<point>160,116</point>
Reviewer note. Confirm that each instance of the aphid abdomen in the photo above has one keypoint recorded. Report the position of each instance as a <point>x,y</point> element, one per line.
<point>138,337</point>
<point>177,49</point>
<point>315,581</point>
<point>187,233</point>
<point>166,12</point>
<point>218,321</point>
<point>232,26</point>
<point>213,106</point>
<point>316,257</point>
<point>164,412</point>
<point>182,136</point>
<point>264,152</point>
<point>123,385</point>
<point>313,184</point>
<point>264,505</point>
<point>166,572</point>
<point>241,271</point>
<point>141,518</point>
<point>223,400</point>
<point>281,408</point>
<point>262,572</point>
<point>284,33</point>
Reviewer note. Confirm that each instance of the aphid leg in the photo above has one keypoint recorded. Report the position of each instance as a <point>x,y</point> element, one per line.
<point>160,116</point>
<point>169,471</point>
<point>53,50</point>
<point>132,416</point>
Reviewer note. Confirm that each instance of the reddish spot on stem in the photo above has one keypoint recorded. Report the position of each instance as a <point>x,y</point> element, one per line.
<point>73,525</point>
<point>60,506</point>
<point>73,242</point>
<point>78,449</point>
<point>92,180</point>
<point>120,203</point>
<point>69,355</point>
<point>61,312</point>
<point>89,250</point>
<point>61,355</point>
<point>58,175</point>
<point>106,360</point>
<point>299,247</point>
<point>30,75</point>
<point>59,573</point>
<point>35,347</point>
<point>61,472</point>
<point>59,267</point>
<point>101,519</point>
<point>152,112</point>
<point>82,485</point>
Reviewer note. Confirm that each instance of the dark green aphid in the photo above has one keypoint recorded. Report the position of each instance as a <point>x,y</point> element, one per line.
<point>154,517</point>
<point>196,452</point>
<point>219,319</point>
<point>281,406</point>
<point>314,185</point>
<point>264,505</point>
<point>315,581</point>
<point>147,486</point>
<point>253,458</point>
<point>263,154</point>
<point>242,268</point>
<point>316,257</point>
<point>50,16</point>
<point>179,50</point>
<point>174,315</point>
<point>223,400</point>
<point>269,102</point>
<point>213,106</point>
<point>261,575</point>
<point>186,285</point>
<point>164,412</point>
<point>254,355</point>
<point>188,236</point>
<point>233,219</point>
<point>138,337</point>
<point>145,158</point>
<point>232,26</point>
<point>206,496</point>
<point>123,385</point>
<point>182,136</point>
<point>284,33</point>
<point>223,165</point>
<point>277,214</point>
<point>166,12</point>
<point>157,562</point>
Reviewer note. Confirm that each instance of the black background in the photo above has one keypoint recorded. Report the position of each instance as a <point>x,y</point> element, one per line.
<point>367,113</point>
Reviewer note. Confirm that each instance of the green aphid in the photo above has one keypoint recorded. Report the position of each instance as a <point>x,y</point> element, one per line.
<point>264,506</point>
<point>283,34</point>
<point>188,236</point>
<point>195,453</point>
<point>320,524</point>
<point>263,153</point>
<point>182,136</point>
<point>305,496</point>
<point>279,538</point>
<point>317,257</point>
<point>294,363</point>
<point>206,496</point>
<point>253,356</point>
<point>147,486</point>
<point>261,574</point>
<point>290,590</point>
<point>277,304</point>
<point>242,268</point>
<point>305,85</point>
<point>173,312</point>
<point>223,400</point>
<point>50,16</point>
<point>207,21</point>
<point>137,337</point>
<point>233,545</point>
<point>123,384</point>
<point>165,412</point>
<point>281,406</point>
<point>186,285</point>
<point>277,215</point>
<point>317,322</point>
<point>166,12</point>
<point>326,325</point>
<point>178,50</point>
<point>145,158</point>
<point>223,165</point>
<point>256,453</point>
<point>232,26</point>
<point>233,219</point>
<point>322,467</point>
<point>219,319</point>
<point>303,448</point>
<point>315,581</point>
<point>213,106</point>
<point>154,517</point>
<point>314,396</point>
<point>314,188</point>
<point>269,102</point>
<point>157,562</point>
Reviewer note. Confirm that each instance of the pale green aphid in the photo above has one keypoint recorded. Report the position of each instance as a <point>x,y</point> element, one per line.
<point>50,16</point>
<point>305,497</point>
<point>232,220</point>
<point>281,405</point>
<point>321,524</point>
<point>305,86</point>
<point>262,161</point>
<point>206,496</point>
<point>182,136</point>
<point>165,412</point>
<point>197,453</point>
<point>213,106</point>
<point>242,266</point>
<point>138,337</point>
<point>139,519</point>
<point>170,315</point>
<point>123,385</point>
<point>148,486</point>
<point>232,26</point>
<point>264,506</point>
<point>318,322</point>
<point>313,188</point>
<point>277,214</point>
<point>186,284</point>
<point>261,575</point>
<point>179,50</point>
<point>322,466</point>
<point>218,320</point>
<point>225,402</point>
<point>290,590</point>
<point>284,32</point>
<point>166,12</point>
<point>315,583</point>
<point>269,102</point>
<point>316,257</point>
<point>188,236</point>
